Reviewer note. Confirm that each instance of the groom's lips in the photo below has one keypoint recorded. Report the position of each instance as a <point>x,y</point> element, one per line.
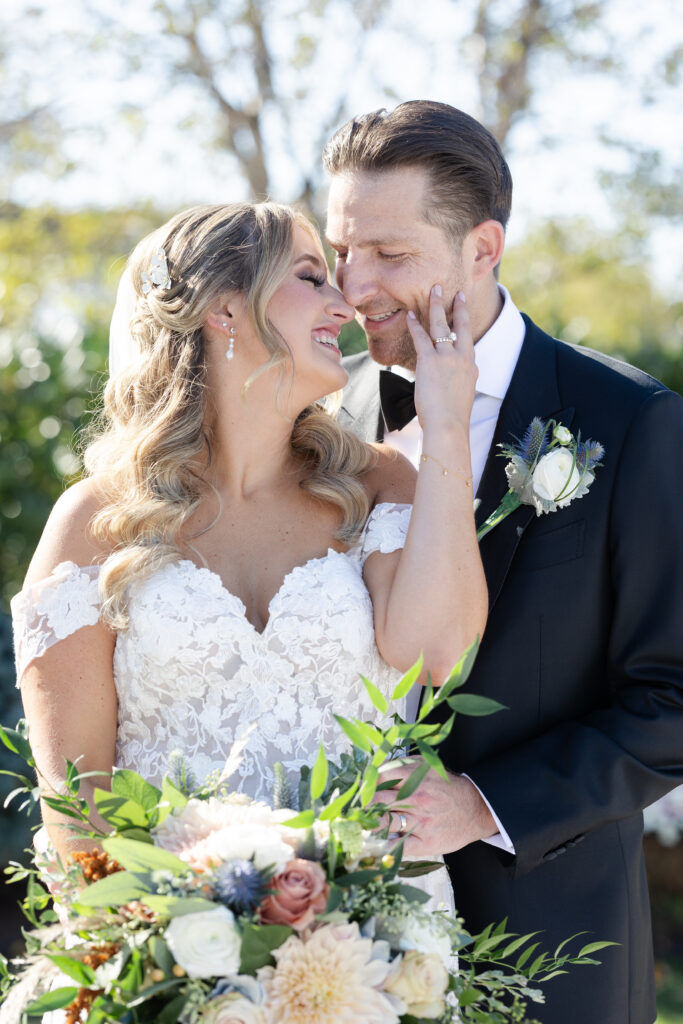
<point>377,325</point>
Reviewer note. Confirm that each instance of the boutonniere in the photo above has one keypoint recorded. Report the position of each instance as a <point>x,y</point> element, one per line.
<point>548,469</point>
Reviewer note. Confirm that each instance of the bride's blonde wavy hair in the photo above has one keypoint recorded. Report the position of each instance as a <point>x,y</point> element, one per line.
<point>152,439</point>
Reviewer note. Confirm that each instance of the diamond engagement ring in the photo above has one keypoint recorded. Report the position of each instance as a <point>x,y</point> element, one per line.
<point>451,338</point>
<point>403,821</point>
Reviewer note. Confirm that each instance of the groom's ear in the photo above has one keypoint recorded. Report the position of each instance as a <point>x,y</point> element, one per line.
<point>483,248</point>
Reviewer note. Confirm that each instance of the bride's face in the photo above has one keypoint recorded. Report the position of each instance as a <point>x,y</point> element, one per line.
<point>309,312</point>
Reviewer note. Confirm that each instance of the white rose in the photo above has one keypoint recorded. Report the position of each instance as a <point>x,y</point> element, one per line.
<point>232,1008</point>
<point>205,944</point>
<point>421,981</point>
<point>556,478</point>
<point>410,933</point>
<point>562,435</point>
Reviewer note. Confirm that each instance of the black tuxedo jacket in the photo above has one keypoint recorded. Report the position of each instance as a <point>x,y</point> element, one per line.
<point>584,646</point>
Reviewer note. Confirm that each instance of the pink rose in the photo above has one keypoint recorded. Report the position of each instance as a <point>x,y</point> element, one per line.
<point>296,895</point>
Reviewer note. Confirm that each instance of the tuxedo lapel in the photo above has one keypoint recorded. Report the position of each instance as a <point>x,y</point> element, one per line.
<point>360,407</point>
<point>533,392</point>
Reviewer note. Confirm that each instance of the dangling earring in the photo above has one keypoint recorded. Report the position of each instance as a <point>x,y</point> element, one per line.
<point>230,354</point>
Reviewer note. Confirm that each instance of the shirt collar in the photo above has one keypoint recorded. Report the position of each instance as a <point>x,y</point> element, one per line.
<point>496,353</point>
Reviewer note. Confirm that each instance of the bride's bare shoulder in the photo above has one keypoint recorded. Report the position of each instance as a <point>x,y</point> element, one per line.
<point>391,478</point>
<point>68,536</point>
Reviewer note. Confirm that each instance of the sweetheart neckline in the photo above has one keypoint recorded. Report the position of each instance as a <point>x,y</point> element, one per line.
<point>285,580</point>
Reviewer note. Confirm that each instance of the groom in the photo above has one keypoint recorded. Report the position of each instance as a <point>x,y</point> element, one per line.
<point>584,643</point>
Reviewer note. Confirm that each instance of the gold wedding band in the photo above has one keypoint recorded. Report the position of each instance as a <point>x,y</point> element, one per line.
<point>451,337</point>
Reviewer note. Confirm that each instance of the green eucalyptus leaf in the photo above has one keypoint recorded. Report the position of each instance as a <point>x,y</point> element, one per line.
<point>113,890</point>
<point>118,811</point>
<point>75,969</point>
<point>16,740</point>
<point>133,787</point>
<point>369,786</point>
<point>413,781</point>
<point>376,696</point>
<point>432,759</point>
<point>354,734</point>
<point>461,671</point>
<point>473,704</point>
<point>405,684</point>
<point>135,856</point>
<point>258,943</point>
<point>178,906</point>
<point>303,820</point>
<point>334,809</point>
<point>319,775</point>
<point>55,1000</point>
<point>171,799</point>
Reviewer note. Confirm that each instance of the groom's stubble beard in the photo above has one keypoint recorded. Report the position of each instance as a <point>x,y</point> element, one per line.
<point>401,352</point>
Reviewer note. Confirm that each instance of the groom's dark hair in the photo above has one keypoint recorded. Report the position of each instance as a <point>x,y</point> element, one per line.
<point>470,180</point>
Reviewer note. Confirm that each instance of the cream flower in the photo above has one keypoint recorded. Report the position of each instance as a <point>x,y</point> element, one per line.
<point>331,978</point>
<point>415,934</point>
<point>205,944</point>
<point>421,981</point>
<point>232,1008</point>
<point>206,833</point>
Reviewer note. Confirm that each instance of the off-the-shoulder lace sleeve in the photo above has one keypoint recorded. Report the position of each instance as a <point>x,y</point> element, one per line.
<point>385,529</point>
<point>52,609</point>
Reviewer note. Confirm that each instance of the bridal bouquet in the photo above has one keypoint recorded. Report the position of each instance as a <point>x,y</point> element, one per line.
<point>202,906</point>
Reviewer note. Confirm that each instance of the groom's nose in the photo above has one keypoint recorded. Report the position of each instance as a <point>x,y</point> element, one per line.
<point>357,281</point>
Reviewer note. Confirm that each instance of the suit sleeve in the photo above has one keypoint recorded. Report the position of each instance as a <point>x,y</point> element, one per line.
<point>550,791</point>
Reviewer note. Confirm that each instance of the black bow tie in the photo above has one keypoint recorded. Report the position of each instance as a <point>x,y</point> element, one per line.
<point>397,398</point>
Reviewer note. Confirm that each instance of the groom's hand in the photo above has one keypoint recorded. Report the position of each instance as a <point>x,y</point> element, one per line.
<point>443,816</point>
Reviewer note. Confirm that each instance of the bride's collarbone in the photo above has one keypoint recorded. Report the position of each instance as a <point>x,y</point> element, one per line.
<point>254,556</point>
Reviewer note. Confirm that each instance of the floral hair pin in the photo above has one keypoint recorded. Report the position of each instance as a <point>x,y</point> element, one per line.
<point>548,469</point>
<point>157,276</point>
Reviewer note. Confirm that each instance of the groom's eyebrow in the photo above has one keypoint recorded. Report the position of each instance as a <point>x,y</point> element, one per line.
<point>369,243</point>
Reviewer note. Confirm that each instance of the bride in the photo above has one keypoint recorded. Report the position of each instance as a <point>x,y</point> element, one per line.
<point>234,557</point>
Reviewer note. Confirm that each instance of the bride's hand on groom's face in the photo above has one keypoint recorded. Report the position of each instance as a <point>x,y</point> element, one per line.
<point>442,816</point>
<point>446,373</point>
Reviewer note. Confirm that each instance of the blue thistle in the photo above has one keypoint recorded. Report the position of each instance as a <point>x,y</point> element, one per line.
<point>240,886</point>
<point>179,774</point>
<point>533,444</point>
<point>589,454</point>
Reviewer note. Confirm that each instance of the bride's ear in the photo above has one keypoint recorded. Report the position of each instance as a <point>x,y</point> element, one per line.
<point>220,315</point>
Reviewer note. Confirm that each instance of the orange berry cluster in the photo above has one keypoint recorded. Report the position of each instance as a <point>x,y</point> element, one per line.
<point>75,1011</point>
<point>100,954</point>
<point>95,864</point>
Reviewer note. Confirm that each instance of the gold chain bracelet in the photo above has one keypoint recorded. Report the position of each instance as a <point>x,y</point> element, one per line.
<point>445,471</point>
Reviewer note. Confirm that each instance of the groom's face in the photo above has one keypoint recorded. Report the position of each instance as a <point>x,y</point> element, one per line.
<point>388,255</point>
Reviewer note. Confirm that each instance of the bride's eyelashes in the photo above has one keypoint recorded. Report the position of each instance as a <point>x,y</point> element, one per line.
<point>317,281</point>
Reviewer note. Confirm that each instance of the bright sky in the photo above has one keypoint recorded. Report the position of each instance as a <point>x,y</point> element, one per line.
<point>554,158</point>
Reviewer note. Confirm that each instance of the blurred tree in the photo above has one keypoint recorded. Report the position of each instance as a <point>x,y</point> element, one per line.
<point>58,274</point>
<point>594,288</point>
<point>508,41</point>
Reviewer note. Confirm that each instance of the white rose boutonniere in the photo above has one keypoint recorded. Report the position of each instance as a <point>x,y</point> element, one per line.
<point>548,469</point>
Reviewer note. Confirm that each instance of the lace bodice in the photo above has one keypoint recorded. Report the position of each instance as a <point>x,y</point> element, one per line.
<point>192,673</point>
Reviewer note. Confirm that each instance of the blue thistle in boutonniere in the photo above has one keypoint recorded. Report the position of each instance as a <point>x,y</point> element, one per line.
<point>547,469</point>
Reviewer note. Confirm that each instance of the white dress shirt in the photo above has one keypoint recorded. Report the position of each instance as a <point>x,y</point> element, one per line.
<point>496,354</point>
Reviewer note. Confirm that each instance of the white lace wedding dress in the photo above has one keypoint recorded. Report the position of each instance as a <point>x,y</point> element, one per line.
<point>192,674</point>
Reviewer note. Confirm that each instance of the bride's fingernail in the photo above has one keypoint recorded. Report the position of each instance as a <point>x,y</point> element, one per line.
<point>411,314</point>
<point>437,290</point>
<point>462,296</point>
